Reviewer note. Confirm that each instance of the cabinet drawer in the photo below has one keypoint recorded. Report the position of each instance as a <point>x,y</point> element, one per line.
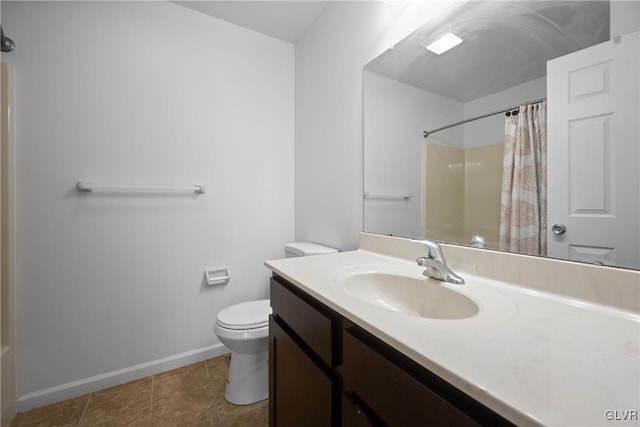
<point>316,327</point>
<point>391,393</point>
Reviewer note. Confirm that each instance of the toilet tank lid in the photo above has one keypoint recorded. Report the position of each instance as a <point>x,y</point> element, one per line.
<point>307,248</point>
<point>246,314</point>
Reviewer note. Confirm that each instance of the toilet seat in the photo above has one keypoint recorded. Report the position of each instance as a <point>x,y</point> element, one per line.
<point>245,315</point>
<point>244,329</point>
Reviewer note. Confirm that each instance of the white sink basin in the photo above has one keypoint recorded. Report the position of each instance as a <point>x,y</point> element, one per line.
<point>414,296</point>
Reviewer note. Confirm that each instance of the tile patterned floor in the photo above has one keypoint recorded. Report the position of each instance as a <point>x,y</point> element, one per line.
<point>191,396</point>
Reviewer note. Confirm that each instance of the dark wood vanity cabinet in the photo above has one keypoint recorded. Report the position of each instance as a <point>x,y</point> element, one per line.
<point>326,371</point>
<point>303,350</point>
<point>302,393</point>
<point>388,392</point>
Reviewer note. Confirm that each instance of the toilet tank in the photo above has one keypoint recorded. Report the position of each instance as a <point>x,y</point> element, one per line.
<point>298,249</point>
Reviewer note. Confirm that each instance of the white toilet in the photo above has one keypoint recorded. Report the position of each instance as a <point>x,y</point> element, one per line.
<point>244,329</point>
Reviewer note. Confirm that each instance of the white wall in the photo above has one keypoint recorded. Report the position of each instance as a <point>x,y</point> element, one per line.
<point>329,61</point>
<point>491,129</point>
<point>328,156</point>
<point>625,17</point>
<point>140,93</point>
<point>395,115</point>
<point>329,132</point>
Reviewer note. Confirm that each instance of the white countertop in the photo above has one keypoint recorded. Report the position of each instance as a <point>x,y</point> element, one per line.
<point>535,358</point>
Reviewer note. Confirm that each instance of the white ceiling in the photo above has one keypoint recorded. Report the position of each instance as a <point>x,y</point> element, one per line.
<point>506,43</point>
<point>284,20</point>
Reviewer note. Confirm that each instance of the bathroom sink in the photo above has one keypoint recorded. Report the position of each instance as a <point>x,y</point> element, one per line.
<point>421,297</point>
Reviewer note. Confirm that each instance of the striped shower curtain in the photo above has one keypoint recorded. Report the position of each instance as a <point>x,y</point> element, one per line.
<point>523,210</point>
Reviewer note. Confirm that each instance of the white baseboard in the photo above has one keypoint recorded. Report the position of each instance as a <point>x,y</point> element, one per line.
<point>77,388</point>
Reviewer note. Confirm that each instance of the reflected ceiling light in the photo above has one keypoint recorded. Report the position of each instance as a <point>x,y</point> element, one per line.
<point>444,43</point>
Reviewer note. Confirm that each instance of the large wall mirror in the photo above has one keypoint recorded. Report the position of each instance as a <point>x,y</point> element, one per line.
<point>524,136</point>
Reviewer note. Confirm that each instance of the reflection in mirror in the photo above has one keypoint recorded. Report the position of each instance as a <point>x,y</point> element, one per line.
<point>523,137</point>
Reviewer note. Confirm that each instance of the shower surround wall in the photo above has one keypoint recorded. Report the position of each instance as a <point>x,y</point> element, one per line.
<point>455,175</point>
<point>109,286</point>
<point>462,193</point>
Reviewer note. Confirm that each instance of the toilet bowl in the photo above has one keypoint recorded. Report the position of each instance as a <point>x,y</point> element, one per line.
<point>244,329</point>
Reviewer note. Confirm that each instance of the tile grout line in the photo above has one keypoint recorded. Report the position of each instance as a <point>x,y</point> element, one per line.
<point>206,366</point>
<point>84,410</point>
<point>209,380</point>
<point>213,397</point>
<point>153,380</point>
<point>216,406</point>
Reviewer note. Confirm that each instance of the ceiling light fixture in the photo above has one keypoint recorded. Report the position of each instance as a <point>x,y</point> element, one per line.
<point>444,43</point>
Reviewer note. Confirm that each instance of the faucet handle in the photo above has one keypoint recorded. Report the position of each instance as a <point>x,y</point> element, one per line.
<point>435,264</point>
<point>433,249</point>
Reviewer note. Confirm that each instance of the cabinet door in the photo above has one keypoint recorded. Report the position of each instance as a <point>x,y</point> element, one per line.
<point>300,392</point>
<point>392,394</point>
<point>354,415</point>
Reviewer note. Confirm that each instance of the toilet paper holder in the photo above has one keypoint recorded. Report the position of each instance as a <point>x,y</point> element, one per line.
<point>216,276</point>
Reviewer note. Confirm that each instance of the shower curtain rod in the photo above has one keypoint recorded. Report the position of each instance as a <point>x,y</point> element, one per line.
<point>461,122</point>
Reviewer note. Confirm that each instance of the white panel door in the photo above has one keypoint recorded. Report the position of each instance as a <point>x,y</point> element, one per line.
<point>593,157</point>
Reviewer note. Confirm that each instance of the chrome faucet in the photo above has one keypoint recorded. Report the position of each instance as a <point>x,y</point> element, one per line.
<point>435,264</point>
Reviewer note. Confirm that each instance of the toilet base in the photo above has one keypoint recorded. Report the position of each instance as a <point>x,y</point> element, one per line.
<point>248,380</point>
